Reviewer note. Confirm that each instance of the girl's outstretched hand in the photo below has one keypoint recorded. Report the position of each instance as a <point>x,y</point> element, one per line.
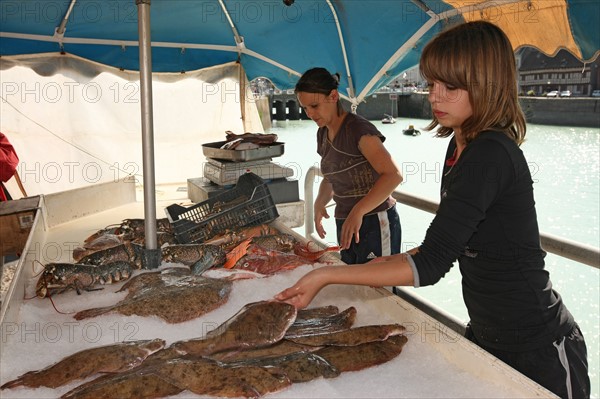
<point>302,293</point>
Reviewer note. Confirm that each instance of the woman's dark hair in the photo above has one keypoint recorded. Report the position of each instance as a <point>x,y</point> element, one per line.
<point>319,80</point>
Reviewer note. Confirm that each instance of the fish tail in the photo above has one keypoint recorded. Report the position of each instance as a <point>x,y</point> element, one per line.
<point>87,313</point>
<point>12,384</point>
<point>236,253</point>
<point>23,380</point>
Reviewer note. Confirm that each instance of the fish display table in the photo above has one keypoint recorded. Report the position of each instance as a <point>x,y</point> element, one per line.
<point>435,362</point>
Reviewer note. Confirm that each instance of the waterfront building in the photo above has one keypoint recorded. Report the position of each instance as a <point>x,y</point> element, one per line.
<point>540,74</point>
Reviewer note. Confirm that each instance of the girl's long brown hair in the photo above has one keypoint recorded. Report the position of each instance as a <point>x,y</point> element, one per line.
<point>477,57</point>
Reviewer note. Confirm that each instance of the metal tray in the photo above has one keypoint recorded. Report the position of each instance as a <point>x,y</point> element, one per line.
<point>213,150</point>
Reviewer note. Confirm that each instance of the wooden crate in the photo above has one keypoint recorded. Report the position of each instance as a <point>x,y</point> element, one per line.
<point>16,219</point>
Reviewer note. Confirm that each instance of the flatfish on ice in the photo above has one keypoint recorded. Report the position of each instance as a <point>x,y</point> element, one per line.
<point>258,355</point>
<point>313,313</point>
<point>354,358</point>
<point>153,280</point>
<point>196,374</point>
<point>255,325</point>
<point>132,384</point>
<point>301,366</point>
<point>205,377</point>
<point>352,337</point>
<point>176,303</point>
<point>104,359</point>
<point>307,324</point>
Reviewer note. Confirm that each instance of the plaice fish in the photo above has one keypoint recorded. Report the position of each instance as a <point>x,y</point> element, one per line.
<point>205,377</point>
<point>354,358</point>
<point>153,280</point>
<point>312,313</point>
<point>196,374</point>
<point>255,356</point>
<point>255,325</point>
<point>301,366</point>
<point>319,321</point>
<point>126,385</point>
<point>104,359</point>
<point>352,337</point>
<point>187,298</point>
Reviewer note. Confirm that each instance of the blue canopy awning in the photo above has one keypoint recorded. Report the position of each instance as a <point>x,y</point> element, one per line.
<point>368,42</point>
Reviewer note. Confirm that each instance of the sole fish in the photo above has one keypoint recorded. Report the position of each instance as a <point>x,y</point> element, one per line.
<point>302,367</point>
<point>256,325</point>
<point>125,385</point>
<point>153,280</point>
<point>354,358</point>
<point>353,336</point>
<point>182,301</point>
<point>104,359</point>
<point>255,356</point>
<point>166,377</point>
<point>327,324</point>
<point>205,377</point>
<point>313,313</point>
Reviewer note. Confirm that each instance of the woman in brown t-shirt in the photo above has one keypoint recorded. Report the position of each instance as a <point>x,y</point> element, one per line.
<point>359,173</point>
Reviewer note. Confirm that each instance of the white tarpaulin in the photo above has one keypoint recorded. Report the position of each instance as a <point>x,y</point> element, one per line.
<point>74,122</point>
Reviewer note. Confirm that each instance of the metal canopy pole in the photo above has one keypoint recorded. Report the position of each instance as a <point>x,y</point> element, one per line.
<point>152,253</point>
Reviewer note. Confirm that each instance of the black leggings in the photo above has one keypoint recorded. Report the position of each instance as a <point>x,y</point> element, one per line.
<point>560,367</point>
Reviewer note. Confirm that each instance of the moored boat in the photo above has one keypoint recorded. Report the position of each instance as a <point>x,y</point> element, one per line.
<point>388,119</point>
<point>411,131</point>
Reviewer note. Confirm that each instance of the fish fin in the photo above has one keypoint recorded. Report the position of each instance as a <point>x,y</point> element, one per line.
<point>93,312</point>
<point>236,253</point>
<point>20,381</point>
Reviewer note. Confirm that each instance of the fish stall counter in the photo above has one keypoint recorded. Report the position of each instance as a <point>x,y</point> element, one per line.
<point>36,332</point>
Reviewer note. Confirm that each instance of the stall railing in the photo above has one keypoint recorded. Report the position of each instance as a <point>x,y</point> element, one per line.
<point>563,247</point>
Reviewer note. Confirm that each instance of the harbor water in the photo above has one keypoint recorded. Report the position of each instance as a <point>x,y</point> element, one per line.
<point>565,167</point>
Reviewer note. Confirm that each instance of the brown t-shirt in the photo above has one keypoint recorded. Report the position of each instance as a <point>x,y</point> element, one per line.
<point>345,167</point>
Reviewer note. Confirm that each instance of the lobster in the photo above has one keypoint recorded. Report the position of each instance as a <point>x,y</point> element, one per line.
<point>57,278</point>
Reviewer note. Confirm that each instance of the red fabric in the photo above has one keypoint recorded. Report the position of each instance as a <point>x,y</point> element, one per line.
<point>8,163</point>
<point>452,160</point>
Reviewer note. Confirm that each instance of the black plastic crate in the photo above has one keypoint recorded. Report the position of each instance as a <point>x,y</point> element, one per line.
<point>249,203</point>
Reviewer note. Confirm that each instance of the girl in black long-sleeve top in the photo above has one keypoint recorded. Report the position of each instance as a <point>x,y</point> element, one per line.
<point>486,219</point>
